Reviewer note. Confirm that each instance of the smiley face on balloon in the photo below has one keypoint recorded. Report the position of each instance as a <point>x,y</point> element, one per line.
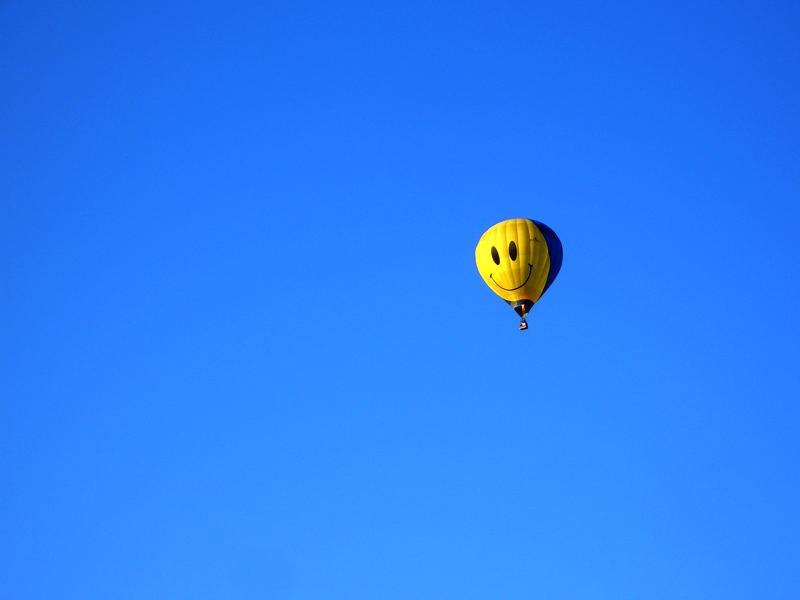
<point>519,259</point>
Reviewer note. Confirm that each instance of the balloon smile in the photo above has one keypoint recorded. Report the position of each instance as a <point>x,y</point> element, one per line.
<point>530,270</point>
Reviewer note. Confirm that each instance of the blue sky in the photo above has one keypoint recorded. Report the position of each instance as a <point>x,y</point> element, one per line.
<point>247,353</point>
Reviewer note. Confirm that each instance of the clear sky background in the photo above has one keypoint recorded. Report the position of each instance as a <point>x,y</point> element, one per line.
<point>246,351</point>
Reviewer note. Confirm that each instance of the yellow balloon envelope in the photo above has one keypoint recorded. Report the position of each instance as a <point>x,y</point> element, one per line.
<point>519,259</point>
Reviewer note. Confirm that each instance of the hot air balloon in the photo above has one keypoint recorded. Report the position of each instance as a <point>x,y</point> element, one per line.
<point>519,259</point>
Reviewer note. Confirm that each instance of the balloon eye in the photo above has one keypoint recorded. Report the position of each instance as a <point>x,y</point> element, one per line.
<point>512,250</point>
<point>495,256</point>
